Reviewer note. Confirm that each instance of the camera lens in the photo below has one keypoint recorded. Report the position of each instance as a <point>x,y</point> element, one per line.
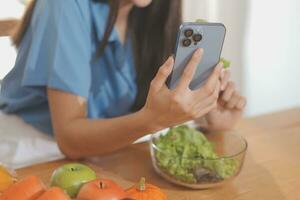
<point>188,32</point>
<point>186,42</point>
<point>197,37</point>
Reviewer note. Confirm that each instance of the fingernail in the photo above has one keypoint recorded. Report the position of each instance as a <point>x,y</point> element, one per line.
<point>169,61</point>
<point>198,52</point>
<point>222,73</point>
<point>219,68</point>
<point>223,87</point>
<point>221,65</point>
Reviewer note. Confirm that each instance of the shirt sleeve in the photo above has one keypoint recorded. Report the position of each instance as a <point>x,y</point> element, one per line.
<point>59,49</point>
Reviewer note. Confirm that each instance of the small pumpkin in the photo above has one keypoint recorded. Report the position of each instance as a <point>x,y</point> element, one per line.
<point>145,191</point>
<point>29,188</point>
<point>101,189</point>
<point>54,193</point>
<point>6,178</point>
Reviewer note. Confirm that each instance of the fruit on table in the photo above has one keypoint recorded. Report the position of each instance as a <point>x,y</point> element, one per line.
<point>54,193</point>
<point>6,179</point>
<point>29,188</point>
<point>101,189</point>
<point>146,192</point>
<point>71,177</point>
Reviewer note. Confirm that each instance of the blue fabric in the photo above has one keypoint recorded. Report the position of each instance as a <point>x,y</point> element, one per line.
<point>58,51</point>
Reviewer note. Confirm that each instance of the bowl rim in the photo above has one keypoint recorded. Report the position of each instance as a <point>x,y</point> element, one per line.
<point>244,149</point>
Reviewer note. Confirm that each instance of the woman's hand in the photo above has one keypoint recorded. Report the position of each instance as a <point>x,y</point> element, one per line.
<point>229,109</point>
<point>171,107</point>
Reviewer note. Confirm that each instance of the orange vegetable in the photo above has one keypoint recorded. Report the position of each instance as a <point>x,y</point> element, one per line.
<point>78,199</point>
<point>102,189</point>
<point>54,193</point>
<point>146,192</point>
<point>6,179</point>
<point>27,189</point>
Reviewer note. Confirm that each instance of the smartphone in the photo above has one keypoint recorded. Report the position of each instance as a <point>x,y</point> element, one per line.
<point>191,36</point>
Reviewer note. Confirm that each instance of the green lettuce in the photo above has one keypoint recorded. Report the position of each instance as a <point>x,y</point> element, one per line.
<point>184,151</point>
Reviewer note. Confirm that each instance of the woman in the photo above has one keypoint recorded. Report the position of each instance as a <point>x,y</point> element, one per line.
<point>88,72</point>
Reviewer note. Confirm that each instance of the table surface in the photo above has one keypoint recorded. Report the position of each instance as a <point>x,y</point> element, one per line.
<point>271,170</point>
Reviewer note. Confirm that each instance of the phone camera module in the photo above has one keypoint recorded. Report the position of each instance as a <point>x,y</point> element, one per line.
<point>186,42</point>
<point>188,32</point>
<point>197,37</point>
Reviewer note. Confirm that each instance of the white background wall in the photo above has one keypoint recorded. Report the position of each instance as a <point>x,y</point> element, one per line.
<point>8,9</point>
<point>8,55</point>
<point>262,41</point>
<point>272,56</point>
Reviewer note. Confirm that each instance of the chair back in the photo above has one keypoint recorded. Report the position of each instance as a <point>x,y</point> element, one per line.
<point>7,26</point>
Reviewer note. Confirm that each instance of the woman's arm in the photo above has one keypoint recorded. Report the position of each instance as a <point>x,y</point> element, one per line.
<point>78,136</point>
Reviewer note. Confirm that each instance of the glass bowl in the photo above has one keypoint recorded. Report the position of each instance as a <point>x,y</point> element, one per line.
<point>198,172</point>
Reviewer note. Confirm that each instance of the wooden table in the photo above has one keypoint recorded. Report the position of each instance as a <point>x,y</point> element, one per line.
<point>271,170</point>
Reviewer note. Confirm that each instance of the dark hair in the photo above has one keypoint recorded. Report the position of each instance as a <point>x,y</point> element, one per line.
<point>153,30</point>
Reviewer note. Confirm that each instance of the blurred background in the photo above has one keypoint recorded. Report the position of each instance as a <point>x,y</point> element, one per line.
<point>262,42</point>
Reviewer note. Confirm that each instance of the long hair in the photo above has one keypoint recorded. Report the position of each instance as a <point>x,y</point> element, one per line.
<point>153,30</point>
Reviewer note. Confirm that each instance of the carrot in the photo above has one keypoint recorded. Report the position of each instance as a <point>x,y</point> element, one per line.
<point>29,188</point>
<point>54,193</point>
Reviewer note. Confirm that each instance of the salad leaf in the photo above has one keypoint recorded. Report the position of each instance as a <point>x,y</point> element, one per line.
<point>226,63</point>
<point>183,151</point>
<point>201,21</point>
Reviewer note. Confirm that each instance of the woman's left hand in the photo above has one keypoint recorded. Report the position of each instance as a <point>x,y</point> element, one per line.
<point>229,110</point>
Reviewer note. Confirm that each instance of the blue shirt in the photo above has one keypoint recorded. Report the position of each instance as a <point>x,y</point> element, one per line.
<point>58,51</point>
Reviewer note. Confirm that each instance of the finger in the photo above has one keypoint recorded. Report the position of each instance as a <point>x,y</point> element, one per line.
<point>229,90</point>
<point>225,76</point>
<point>190,70</point>
<point>206,110</point>
<point>208,100</point>
<point>233,101</point>
<point>164,71</point>
<point>241,104</point>
<point>212,81</point>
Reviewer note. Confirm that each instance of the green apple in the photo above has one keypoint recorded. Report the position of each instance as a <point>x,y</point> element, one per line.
<point>71,177</point>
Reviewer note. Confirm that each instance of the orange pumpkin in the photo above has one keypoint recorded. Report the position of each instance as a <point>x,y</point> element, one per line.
<point>54,193</point>
<point>29,188</point>
<point>101,189</point>
<point>6,179</point>
<point>146,191</point>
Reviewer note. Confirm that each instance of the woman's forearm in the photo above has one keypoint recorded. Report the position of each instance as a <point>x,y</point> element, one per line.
<point>85,137</point>
<point>78,136</point>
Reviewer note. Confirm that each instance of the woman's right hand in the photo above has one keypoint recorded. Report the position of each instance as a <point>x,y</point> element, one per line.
<point>172,107</point>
